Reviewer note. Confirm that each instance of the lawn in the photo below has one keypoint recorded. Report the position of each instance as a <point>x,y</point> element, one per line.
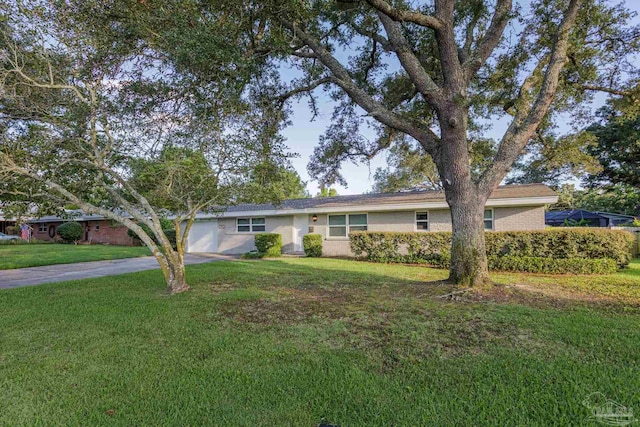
<point>35,255</point>
<point>292,342</point>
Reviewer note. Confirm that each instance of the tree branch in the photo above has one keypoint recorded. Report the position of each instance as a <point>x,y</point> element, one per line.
<point>527,120</point>
<point>410,62</point>
<point>405,15</point>
<point>491,39</point>
<point>605,89</point>
<point>374,108</point>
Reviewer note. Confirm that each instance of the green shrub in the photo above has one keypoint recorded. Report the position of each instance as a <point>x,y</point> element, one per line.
<point>168,230</point>
<point>13,242</point>
<point>269,244</point>
<point>13,230</point>
<point>566,244</point>
<point>172,236</point>
<point>251,255</point>
<point>312,244</point>
<point>70,232</point>
<point>553,265</point>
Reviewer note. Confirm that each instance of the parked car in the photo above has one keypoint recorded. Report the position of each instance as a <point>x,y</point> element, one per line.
<point>6,237</point>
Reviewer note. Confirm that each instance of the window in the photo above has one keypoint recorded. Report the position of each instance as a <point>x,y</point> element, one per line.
<point>97,228</point>
<point>422,221</point>
<point>251,225</point>
<point>488,219</point>
<point>342,225</point>
<point>42,228</point>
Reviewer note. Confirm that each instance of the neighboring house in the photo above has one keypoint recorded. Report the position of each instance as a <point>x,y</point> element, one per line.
<point>97,229</point>
<point>5,222</point>
<point>510,207</point>
<point>586,218</point>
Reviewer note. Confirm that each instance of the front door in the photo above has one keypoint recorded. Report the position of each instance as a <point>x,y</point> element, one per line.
<point>300,228</point>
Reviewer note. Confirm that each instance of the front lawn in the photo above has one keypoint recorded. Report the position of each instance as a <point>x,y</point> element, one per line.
<point>35,255</point>
<point>294,341</point>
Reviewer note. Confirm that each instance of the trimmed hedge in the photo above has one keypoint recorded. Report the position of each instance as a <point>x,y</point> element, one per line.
<point>70,232</point>
<point>312,244</point>
<point>536,250</point>
<point>564,243</point>
<point>268,244</point>
<point>553,265</point>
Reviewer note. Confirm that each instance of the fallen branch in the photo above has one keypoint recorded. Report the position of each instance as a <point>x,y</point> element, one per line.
<point>451,294</point>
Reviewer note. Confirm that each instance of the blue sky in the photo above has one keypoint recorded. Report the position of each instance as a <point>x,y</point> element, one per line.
<point>303,134</point>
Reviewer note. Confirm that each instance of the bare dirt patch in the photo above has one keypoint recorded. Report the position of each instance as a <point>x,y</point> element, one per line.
<point>289,306</point>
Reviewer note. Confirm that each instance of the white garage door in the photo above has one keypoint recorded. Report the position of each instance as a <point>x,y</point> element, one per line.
<point>203,237</point>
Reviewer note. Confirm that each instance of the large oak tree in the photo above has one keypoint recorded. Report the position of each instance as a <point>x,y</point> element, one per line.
<point>440,72</point>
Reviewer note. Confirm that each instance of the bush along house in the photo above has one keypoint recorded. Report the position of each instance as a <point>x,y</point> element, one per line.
<point>97,229</point>
<point>510,208</point>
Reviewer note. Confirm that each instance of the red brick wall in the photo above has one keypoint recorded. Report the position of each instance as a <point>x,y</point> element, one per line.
<point>109,233</point>
<point>105,233</point>
<point>44,235</point>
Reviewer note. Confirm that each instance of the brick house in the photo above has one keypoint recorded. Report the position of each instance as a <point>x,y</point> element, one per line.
<point>97,229</point>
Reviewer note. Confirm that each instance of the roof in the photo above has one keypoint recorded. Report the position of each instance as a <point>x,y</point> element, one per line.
<point>408,197</point>
<point>506,195</point>
<point>71,215</point>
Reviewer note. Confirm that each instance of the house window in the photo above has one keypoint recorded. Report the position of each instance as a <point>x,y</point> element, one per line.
<point>251,225</point>
<point>42,228</point>
<point>342,225</point>
<point>488,219</point>
<point>97,228</point>
<point>422,221</point>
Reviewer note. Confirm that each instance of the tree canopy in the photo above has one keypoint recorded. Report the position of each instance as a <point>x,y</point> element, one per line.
<point>440,73</point>
<point>96,112</point>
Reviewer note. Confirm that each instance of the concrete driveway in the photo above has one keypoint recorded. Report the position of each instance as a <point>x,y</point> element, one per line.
<point>85,270</point>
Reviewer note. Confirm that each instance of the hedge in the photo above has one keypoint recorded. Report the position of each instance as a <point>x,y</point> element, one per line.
<point>268,244</point>
<point>312,244</point>
<point>529,264</point>
<point>531,247</point>
<point>70,232</point>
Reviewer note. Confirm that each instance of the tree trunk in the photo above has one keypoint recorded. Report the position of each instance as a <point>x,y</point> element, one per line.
<point>173,270</point>
<point>176,277</point>
<point>468,254</point>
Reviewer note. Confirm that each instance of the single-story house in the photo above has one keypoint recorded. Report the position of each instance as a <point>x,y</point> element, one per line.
<point>510,207</point>
<point>590,219</point>
<point>5,221</point>
<point>97,229</point>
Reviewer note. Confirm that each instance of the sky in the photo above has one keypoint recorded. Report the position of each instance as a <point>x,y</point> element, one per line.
<point>303,134</point>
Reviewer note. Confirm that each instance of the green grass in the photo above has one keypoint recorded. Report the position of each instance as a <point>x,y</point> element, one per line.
<point>35,255</point>
<point>293,341</point>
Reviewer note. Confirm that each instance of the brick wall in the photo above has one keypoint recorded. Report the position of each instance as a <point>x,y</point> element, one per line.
<point>505,219</point>
<point>106,232</point>
<point>95,232</point>
<point>522,218</point>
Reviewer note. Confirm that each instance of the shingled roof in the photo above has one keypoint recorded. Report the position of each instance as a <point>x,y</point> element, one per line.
<point>502,192</point>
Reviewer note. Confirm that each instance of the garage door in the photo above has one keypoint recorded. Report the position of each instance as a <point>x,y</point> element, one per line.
<point>203,237</point>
